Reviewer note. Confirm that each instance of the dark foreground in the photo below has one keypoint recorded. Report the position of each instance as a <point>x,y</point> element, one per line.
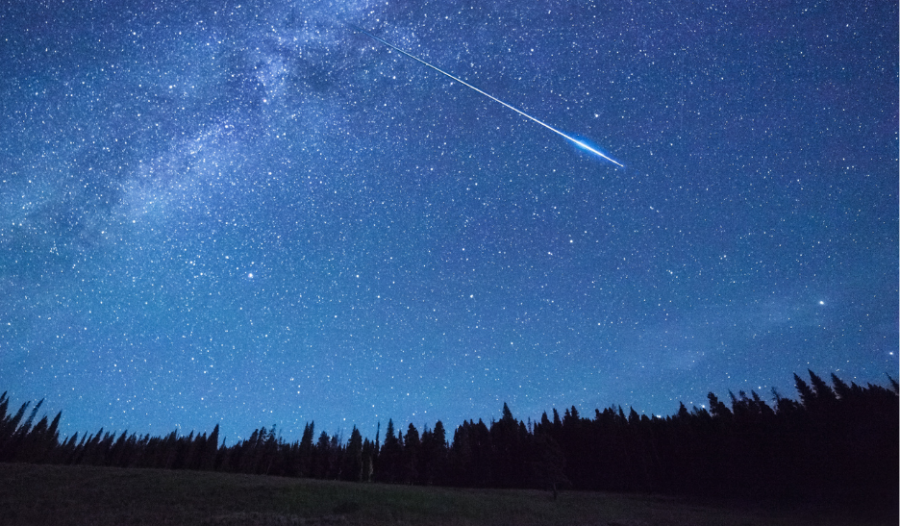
<point>62,495</point>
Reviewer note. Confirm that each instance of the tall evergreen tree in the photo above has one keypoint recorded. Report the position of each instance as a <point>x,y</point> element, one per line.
<point>322,458</point>
<point>547,469</point>
<point>368,460</point>
<point>434,455</point>
<point>461,458</point>
<point>508,458</point>
<point>807,397</point>
<point>211,452</point>
<point>304,455</point>
<point>824,394</point>
<point>352,469</point>
<point>390,457</point>
<point>411,452</point>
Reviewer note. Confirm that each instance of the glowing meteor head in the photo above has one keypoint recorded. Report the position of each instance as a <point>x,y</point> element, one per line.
<point>584,145</point>
<point>581,145</point>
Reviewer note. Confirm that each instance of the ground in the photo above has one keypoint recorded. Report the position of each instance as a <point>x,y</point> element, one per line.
<point>81,495</point>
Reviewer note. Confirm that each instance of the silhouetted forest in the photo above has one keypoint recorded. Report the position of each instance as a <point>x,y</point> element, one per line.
<point>836,442</point>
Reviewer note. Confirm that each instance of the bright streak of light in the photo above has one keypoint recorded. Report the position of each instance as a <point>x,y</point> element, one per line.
<point>493,98</point>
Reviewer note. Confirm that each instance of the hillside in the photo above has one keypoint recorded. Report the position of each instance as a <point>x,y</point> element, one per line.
<point>81,495</point>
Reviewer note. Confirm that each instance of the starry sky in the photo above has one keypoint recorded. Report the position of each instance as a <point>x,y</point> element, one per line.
<point>255,214</point>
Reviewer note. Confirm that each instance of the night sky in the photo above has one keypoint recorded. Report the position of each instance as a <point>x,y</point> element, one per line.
<point>255,214</point>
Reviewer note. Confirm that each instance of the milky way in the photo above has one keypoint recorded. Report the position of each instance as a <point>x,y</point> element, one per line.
<point>248,214</point>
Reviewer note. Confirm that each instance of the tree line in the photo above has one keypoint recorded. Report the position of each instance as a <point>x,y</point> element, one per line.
<point>837,441</point>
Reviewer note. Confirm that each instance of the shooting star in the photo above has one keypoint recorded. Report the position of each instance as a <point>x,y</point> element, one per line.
<point>578,143</point>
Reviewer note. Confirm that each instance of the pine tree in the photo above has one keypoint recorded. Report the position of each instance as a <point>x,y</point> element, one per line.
<point>807,397</point>
<point>483,451</point>
<point>51,439</point>
<point>842,390</point>
<point>13,434</point>
<point>545,422</point>
<point>116,455</point>
<point>434,455</point>
<point>26,427</point>
<point>352,469</point>
<point>389,457</point>
<point>196,452</point>
<point>824,394</point>
<point>183,452</point>
<point>461,457</point>
<point>368,460</point>
<point>306,450</point>
<point>337,450</point>
<point>269,464</point>
<point>718,409</point>
<point>548,467</point>
<point>322,457</point>
<point>211,451</point>
<point>32,447</point>
<point>411,451</point>
<point>4,406</point>
<point>66,452</point>
<point>508,455</point>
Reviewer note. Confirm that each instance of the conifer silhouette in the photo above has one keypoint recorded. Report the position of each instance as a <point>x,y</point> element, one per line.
<point>838,442</point>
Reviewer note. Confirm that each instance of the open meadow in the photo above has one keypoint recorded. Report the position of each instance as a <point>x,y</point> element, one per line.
<point>82,495</point>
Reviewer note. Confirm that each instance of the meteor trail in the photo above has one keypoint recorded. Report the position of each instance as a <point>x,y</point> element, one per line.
<point>578,143</point>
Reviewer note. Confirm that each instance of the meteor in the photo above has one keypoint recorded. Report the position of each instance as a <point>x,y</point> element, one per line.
<point>575,141</point>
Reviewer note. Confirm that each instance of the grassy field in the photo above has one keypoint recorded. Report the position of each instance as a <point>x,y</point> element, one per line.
<point>63,495</point>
